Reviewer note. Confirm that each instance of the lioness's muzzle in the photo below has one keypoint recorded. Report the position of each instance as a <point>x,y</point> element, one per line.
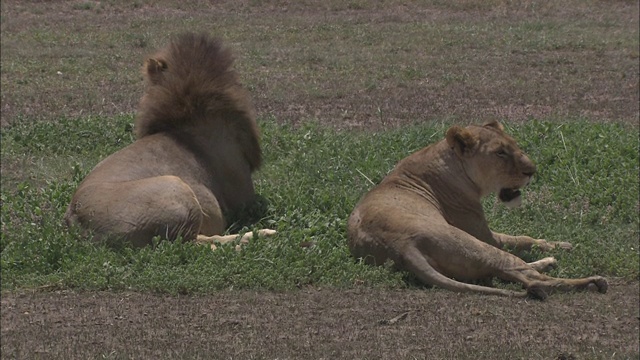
<point>507,195</point>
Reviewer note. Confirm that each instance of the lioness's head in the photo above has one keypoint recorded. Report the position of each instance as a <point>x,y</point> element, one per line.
<point>492,160</point>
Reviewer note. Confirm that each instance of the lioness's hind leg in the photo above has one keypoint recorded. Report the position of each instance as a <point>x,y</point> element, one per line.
<point>509,267</point>
<point>416,262</point>
<point>540,286</point>
<point>544,288</point>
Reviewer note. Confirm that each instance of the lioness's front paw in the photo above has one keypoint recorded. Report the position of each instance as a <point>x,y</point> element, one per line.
<point>550,245</point>
<point>562,245</point>
<point>544,265</point>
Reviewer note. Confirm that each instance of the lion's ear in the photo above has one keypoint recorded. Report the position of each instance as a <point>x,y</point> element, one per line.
<point>154,67</point>
<point>461,140</point>
<point>494,124</point>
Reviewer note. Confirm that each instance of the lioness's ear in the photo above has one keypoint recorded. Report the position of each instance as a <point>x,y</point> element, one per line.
<point>461,140</point>
<point>153,68</point>
<point>494,124</point>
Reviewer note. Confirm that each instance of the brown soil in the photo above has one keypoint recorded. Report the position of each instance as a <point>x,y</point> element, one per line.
<point>320,324</point>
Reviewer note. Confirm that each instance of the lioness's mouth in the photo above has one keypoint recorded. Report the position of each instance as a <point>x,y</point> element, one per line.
<point>507,195</point>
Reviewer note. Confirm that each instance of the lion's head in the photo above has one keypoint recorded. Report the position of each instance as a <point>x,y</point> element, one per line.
<point>492,160</point>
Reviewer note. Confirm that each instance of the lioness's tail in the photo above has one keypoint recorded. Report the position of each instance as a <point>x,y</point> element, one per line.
<point>191,81</point>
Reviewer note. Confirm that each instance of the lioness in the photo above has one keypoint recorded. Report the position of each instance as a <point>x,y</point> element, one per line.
<point>426,216</point>
<point>197,145</point>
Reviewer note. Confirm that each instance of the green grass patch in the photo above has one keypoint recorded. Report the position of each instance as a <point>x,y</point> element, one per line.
<point>586,192</point>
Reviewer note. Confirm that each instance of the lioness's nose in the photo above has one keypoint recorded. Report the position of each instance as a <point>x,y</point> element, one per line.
<point>528,168</point>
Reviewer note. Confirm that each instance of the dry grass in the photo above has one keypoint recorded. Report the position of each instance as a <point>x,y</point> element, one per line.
<point>359,64</point>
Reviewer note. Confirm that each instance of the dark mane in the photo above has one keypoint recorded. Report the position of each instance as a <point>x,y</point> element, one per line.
<point>190,83</point>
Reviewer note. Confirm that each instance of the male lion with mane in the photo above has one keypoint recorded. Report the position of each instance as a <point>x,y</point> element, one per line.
<point>426,216</point>
<point>197,145</point>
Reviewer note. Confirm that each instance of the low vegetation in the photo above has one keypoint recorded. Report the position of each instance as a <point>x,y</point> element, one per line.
<point>585,193</point>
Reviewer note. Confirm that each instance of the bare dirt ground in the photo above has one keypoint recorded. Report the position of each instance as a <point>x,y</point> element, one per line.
<point>320,324</point>
<point>43,77</point>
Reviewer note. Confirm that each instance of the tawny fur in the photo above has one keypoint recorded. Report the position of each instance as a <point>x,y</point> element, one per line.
<point>426,216</point>
<point>197,145</point>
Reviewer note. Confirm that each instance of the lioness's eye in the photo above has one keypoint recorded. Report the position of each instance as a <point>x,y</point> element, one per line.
<point>501,153</point>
